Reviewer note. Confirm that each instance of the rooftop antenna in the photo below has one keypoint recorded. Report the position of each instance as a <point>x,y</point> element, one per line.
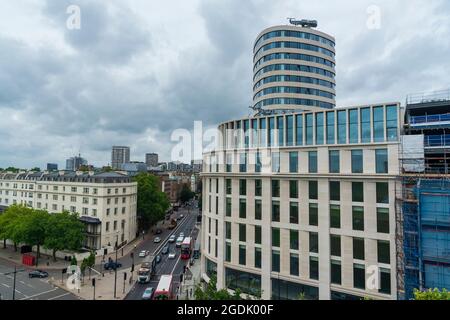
<point>304,23</point>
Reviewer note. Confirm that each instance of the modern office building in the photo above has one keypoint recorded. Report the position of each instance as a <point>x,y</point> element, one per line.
<point>151,160</point>
<point>299,199</point>
<point>119,156</point>
<point>293,69</point>
<point>423,240</point>
<point>75,163</point>
<point>52,167</point>
<point>105,202</point>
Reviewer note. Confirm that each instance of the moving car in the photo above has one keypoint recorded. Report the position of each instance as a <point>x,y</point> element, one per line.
<point>148,293</point>
<point>112,265</point>
<point>144,253</point>
<point>38,274</point>
<point>158,231</point>
<point>179,242</point>
<point>182,216</point>
<point>181,234</point>
<point>165,250</point>
<point>172,255</point>
<point>172,238</point>
<point>158,259</point>
<point>157,240</point>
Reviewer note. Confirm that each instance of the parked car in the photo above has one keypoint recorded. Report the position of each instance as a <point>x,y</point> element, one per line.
<point>165,250</point>
<point>172,255</point>
<point>148,293</point>
<point>38,274</point>
<point>144,253</point>
<point>157,240</point>
<point>172,238</point>
<point>182,216</point>
<point>112,265</point>
<point>158,258</point>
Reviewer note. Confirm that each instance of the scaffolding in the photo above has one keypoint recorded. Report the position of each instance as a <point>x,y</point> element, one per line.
<point>422,225</point>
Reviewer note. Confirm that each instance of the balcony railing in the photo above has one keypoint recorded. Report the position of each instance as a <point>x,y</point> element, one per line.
<point>437,140</point>
<point>430,118</point>
<point>443,95</point>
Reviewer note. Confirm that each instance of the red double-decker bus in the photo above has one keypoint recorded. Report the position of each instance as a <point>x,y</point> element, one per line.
<point>186,248</point>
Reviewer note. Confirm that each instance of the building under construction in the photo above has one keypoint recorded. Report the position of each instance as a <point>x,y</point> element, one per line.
<point>423,199</point>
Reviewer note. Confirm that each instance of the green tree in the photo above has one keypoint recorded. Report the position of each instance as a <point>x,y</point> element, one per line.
<point>186,194</point>
<point>211,292</point>
<point>73,261</point>
<point>12,169</point>
<point>32,228</point>
<point>430,294</point>
<point>11,224</point>
<point>64,232</point>
<point>36,169</point>
<point>152,203</point>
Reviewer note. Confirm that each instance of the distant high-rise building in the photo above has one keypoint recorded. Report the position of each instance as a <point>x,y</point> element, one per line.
<point>151,159</point>
<point>52,167</point>
<point>119,156</point>
<point>74,163</point>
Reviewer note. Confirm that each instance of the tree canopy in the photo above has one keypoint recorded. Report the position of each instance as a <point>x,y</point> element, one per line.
<point>211,292</point>
<point>430,294</point>
<point>186,194</point>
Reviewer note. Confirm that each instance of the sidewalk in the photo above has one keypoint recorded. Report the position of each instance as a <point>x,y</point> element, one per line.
<point>45,262</point>
<point>191,278</point>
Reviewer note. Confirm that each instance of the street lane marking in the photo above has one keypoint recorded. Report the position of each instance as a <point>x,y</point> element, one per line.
<point>60,296</point>
<point>40,294</point>
<point>5,285</point>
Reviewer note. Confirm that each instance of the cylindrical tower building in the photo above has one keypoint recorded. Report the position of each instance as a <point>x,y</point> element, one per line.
<point>293,69</point>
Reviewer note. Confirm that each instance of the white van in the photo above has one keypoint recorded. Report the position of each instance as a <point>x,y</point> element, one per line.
<point>179,242</point>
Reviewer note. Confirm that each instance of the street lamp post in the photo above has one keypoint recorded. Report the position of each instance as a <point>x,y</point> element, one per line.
<point>115,268</point>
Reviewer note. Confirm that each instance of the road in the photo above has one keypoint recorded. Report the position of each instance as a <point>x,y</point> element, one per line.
<point>168,266</point>
<point>26,288</point>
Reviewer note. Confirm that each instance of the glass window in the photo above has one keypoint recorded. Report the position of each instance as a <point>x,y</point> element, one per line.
<point>275,211</point>
<point>359,276</point>
<point>293,189</point>
<point>365,125</point>
<point>293,212</point>
<point>382,192</point>
<point>275,162</point>
<point>242,208</point>
<point>333,159</point>
<point>330,128</point>
<point>280,125</point>
<point>246,134</point>
<point>391,123</point>
<point>275,237</point>
<point>357,161</point>
<point>335,245</point>
<point>294,264</point>
<point>358,218</point>
<point>254,132</point>
<point>242,255</point>
<point>248,283</point>
<point>262,132</point>
<point>258,164</point>
<point>258,187</point>
<point>294,239</point>
<point>299,130</point>
<point>243,162</point>
<point>258,234</point>
<point>242,232</point>
<point>378,124</point>
<point>229,162</point>
<point>227,230</point>
<point>381,160</point>
<point>227,252</point>
<point>342,127</point>
<point>275,188</point>
<point>335,191</point>
<point>228,207</point>
<point>335,271</point>
<point>271,132</point>
<point>238,134</point>
<point>313,191</point>
<point>383,220</point>
<point>319,128</point>
<point>242,187</point>
<point>258,258</point>
<point>314,268</point>
<point>335,216</point>
<point>353,126</point>
<point>275,261</point>
<point>384,255</point>
<point>258,210</point>
<point>293,162</point>
<point>385,281</point>
<point>313,242</point>
<point>309,129</point>
<point>313,214</point>
<point>228,186</point>
<point>290,130</point>
<point>358,249</point>
<point>312,161</point>
<point>357,191</point>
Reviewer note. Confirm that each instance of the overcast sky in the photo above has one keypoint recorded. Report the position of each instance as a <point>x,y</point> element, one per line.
<point>137,70</point>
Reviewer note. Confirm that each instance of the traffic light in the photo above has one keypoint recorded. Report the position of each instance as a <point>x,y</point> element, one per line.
<point>181,278</point>
<point>132,268</point>
<point>93,282</point>
<point>124,276</point>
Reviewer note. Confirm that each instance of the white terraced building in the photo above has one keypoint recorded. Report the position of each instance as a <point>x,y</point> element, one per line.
<point>105,202</point>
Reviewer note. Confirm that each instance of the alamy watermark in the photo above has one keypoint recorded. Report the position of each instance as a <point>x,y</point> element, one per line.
<point>73,21</point>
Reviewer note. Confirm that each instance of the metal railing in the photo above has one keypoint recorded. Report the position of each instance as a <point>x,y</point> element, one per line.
<point>437,140</point>
<point>443,95</point>
<point>430,118</point>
